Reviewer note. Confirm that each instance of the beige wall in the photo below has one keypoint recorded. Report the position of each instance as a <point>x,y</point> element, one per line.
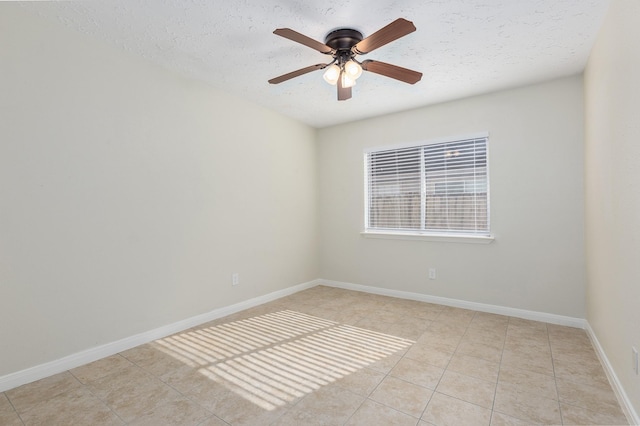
<point>612,161</point>
<point>536,169</point>
<point>128,195</point>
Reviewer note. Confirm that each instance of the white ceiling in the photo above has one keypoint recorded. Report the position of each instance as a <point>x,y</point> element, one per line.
<point>463,47</point>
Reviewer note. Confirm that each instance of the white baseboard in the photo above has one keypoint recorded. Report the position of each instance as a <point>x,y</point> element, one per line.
<point>623,399</point>
<point>41,371</point>
<point>482,307</point>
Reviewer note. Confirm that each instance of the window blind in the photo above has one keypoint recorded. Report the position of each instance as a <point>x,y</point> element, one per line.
<point>432,188</point>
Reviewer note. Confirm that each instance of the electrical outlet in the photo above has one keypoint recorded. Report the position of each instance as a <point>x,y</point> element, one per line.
<point>634,359</point>
<point>432,273</point>
<point>235,278</point>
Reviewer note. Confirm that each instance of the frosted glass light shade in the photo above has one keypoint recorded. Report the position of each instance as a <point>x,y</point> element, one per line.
<point>347,81</point>
<point>353,69</point>
<point>332,74</point>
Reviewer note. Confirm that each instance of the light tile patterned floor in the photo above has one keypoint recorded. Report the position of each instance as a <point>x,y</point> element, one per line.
<point>327,356</point>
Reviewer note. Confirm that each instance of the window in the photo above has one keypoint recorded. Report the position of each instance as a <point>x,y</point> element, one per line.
<point>439,188</point>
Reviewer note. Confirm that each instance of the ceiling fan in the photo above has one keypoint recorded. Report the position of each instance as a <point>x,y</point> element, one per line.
<point>344,45</point>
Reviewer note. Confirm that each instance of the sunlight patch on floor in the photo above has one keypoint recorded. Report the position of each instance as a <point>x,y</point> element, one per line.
<point>276,358</point>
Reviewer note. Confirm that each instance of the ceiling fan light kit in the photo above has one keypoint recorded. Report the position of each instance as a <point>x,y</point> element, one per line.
<point>344,45</point>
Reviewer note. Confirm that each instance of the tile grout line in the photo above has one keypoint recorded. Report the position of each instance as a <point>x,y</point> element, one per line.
<point>14,409</point>
<point>13,406</point>
<point>555,377</point>
<point>495,392</point>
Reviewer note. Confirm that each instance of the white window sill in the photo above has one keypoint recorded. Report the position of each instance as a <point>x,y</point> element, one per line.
<point>444,238</point>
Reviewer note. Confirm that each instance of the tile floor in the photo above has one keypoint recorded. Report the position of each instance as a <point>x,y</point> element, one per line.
<point>328,356</point>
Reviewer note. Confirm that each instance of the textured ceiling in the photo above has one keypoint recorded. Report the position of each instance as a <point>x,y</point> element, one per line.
<point>463,47</point>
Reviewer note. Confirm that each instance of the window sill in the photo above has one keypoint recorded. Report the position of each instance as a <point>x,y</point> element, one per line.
<point>445,238</point>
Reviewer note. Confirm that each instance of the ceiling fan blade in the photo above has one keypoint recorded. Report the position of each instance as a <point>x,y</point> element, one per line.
<point>344,93</point>
<point>392,71</point>
<point>398,28</point>
<point>296,73</point>
<point>303,39</point>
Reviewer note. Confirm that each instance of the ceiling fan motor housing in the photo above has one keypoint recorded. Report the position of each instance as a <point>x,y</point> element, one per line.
<point>343,39</point>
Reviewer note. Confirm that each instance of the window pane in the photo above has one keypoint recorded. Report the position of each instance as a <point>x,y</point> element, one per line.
<point>394,191</point>
<point>456,182</point>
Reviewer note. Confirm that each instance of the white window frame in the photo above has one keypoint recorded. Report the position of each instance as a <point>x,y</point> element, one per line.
<point>428,235</point>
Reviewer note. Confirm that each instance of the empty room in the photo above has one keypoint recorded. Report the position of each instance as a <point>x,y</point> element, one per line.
<point>305,213</point>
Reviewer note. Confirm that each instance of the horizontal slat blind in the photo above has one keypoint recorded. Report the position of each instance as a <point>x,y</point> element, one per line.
<point>394,188</point>
<point>434,188</point>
